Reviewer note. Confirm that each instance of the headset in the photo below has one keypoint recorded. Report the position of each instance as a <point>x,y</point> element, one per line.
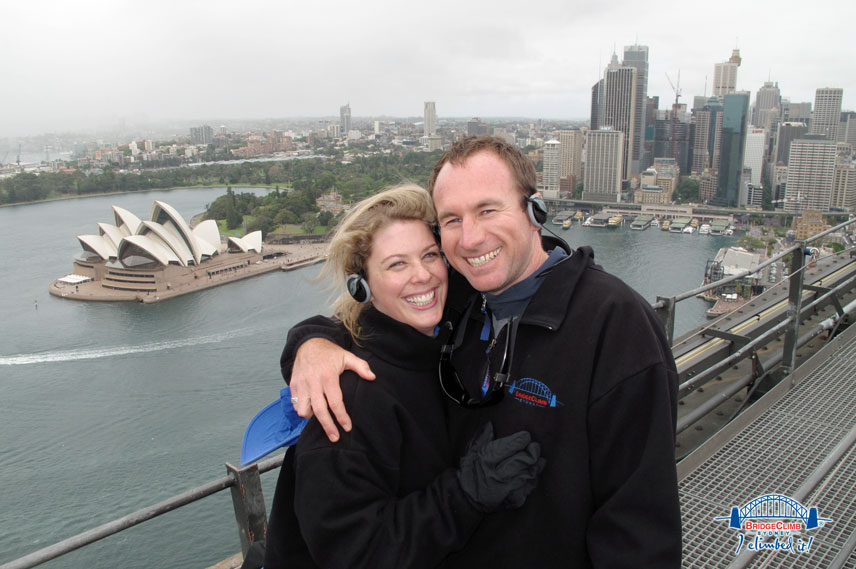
<point>358,287</point>
<point>537,210</point>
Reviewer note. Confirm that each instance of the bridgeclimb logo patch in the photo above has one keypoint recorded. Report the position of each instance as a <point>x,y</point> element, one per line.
<point>774,522</point>
<point>530,391</point>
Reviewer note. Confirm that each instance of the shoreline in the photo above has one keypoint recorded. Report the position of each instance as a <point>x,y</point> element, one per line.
<point>125,192</point>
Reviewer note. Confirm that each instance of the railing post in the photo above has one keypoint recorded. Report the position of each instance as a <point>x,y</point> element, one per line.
<point>795,289</point>
<point>249,504</point>
<point>667,315</point>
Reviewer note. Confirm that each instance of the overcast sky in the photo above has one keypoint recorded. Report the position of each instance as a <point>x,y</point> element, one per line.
<point>86,64</point>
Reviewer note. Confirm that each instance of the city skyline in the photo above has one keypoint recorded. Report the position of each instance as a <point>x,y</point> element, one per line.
<point>87,65</point>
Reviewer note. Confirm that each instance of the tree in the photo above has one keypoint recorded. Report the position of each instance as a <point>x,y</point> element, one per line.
<point>310,222</point>
<point>687,191</point>
<point>233,218</point>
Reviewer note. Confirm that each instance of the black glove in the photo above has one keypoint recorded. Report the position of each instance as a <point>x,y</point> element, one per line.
<point>499,474</point>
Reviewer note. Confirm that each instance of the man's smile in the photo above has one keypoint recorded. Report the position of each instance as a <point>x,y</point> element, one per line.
<point>479,261</point>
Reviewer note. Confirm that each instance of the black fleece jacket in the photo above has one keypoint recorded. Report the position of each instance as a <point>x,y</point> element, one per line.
<point>385,495</point>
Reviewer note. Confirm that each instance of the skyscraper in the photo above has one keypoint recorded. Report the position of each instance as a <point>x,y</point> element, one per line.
<point>735,110</point>
<point>811,174</point>
<point>787,133</point>
<point>753,156</point>
<point>550,171</point>
<point>768,101</point>
<point>619,107</point>
<point>636,56</point>
<point>844,186</point>
<point>847,128</point>
<point>201,134</point>
<point>345,119</point>
<point>604,162</point>
<point>570,161</point>
<point>707,136</point>
<point>430,118</point>
<point>725,75</point>
<point>596,105</point>
<point>827,112</point>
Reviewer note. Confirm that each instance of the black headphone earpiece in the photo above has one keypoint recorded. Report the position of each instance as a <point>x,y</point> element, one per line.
<point>435,229</point>
<point>358,287</point>
<point>537,210</point>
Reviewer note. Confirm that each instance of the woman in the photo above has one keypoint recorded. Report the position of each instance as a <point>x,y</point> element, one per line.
<point>390,493</point>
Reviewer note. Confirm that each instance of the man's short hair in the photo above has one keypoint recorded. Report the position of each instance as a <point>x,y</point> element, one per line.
<point>522,168</point>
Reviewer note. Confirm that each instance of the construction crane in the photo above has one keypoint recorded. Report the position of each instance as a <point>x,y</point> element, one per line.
<point>677,90</point>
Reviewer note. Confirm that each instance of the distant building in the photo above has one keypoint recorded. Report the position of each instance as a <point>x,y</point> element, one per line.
<point>796,112</point>
<point>827,112</point>
<point>550,172</point>
<point>619,107</point>
<point>201,134</point>
<point>345,119</point>
<point>672,134</point>
<point>707,183</point>
<point>636,56</point>
<point>787,133</point>
<point>604,163</point>
<point>430,118</point>
<point>735,109</point>
<point>768,103</point>
<point>725,75</point>
<point>570,161</point>
<point>811,174</point>
<point>707,136</point>
<point>753,156</point>
<point>844,186</point>
<point>331,202</point>
<point>596,119</point>
<point>847,128</point>
<point>809,223</point>
<point>475,127</point>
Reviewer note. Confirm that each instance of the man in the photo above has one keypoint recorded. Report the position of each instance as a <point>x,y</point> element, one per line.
<point>553,345</point>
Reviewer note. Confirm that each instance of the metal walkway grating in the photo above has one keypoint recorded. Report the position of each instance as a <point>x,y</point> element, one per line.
<point>776,453</point>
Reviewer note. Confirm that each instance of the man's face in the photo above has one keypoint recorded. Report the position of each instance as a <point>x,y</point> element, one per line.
<point>485,232</point>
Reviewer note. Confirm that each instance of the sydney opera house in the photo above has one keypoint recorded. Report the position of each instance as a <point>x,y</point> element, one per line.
<point>162,256</point>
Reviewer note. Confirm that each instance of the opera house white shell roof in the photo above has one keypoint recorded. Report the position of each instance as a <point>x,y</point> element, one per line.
<point>165,238</point>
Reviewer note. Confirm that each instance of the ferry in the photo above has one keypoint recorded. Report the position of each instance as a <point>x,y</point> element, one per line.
<point>665,225</point>
<point>566,224</point>
<point>704,229</point>
<point>655,222</point>
<point>599,220</point>
<point>615,221</point>
<point>688,229</point>
<point>642,223</point>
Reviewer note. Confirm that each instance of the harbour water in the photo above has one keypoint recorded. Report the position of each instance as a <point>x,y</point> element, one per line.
<point>111,407</point>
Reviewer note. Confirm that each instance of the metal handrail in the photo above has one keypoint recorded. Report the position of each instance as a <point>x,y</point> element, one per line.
<point>110,528</point>
<point>245,483</point>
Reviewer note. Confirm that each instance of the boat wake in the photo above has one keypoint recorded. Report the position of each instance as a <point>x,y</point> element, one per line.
<point>90,354</point>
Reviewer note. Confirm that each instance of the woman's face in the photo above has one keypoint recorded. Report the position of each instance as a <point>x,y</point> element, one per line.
<point>407,275</point>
